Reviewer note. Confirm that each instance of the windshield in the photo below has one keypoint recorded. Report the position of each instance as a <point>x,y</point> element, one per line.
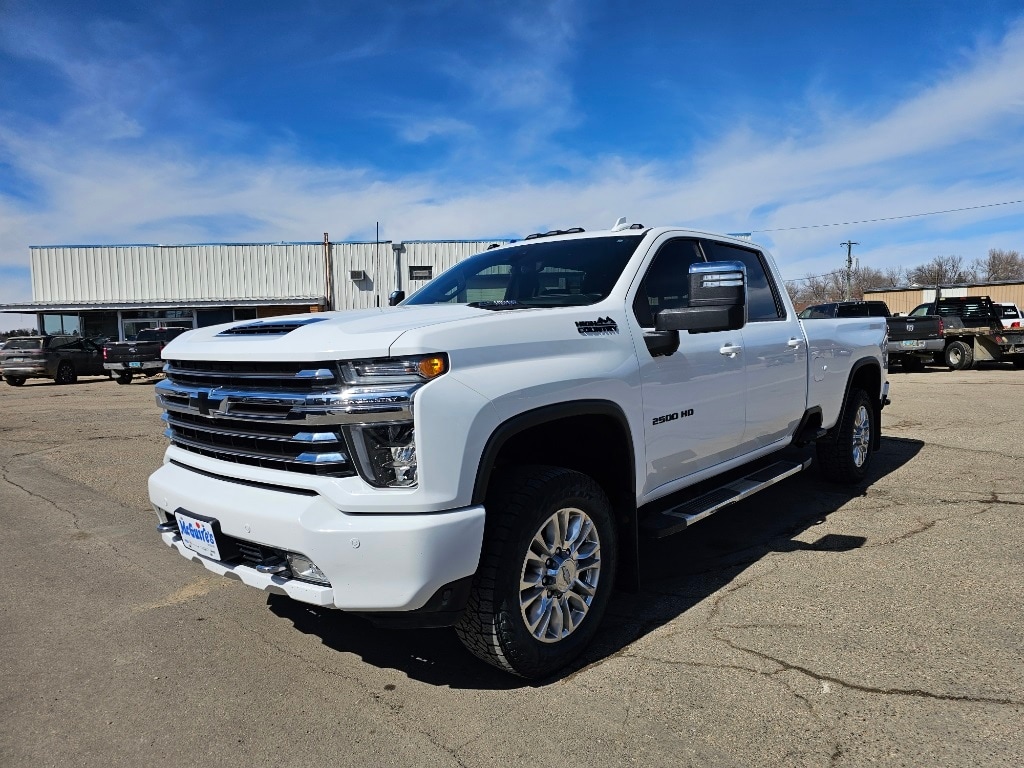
<point>534,274</point>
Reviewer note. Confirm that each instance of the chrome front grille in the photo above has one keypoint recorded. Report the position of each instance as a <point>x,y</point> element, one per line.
<point>276,415</point>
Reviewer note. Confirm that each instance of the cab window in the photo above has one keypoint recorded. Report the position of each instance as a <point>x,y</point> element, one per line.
<point>667,282</point>
<point>763,302</point>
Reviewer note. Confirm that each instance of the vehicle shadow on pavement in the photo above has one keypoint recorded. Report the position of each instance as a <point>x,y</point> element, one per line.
<point>677,573</point>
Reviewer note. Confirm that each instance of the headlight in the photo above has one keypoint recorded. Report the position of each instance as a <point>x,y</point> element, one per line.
<point>386,453</point>
<point>395,370</point>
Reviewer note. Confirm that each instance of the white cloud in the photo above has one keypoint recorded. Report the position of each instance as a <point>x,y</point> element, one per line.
<point>955,142</point>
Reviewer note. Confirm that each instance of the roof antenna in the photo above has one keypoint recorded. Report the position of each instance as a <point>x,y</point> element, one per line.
<point>620,224</point>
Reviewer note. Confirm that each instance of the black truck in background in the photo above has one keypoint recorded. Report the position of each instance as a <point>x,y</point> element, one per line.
<point>126,358</point>
<point>973,331</point>
<point>913,341</point>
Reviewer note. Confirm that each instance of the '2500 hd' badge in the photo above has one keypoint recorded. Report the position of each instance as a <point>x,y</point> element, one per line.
<point>603,326</point>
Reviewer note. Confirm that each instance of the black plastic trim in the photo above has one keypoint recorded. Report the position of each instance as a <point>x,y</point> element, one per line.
<point>250,483</point>
<point>544,415</point>
<point>443,609</point>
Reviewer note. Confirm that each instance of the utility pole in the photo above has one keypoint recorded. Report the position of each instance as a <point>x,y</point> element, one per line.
<point>849,266</point>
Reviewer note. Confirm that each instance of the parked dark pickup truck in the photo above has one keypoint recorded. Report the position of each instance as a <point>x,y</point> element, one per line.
<point>973,331</point>
<point>913,341</point>
<point>126,358</point>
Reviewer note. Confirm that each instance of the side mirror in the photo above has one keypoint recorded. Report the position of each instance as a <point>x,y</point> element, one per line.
<point>718,300</point>
<point>396,297</point>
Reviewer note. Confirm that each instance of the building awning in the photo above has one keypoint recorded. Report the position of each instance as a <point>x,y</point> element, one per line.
<point>32,308</point>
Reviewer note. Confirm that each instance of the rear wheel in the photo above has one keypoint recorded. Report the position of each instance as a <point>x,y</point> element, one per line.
<point>959,356</point>
<point>844,453</point>
<point>546,571</point>
<point>66,373</point>
<point>124,377</point>
<point>1018,362</point>
<point>15,381</point>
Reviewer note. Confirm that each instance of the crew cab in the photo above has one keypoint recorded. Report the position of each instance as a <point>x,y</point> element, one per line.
<point>140,355</point>
<point>913,341</point>
<point>487,453</point>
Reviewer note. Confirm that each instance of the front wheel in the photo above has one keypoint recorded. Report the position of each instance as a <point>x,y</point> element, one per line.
<point>546,571</point>
<point>843,453</point>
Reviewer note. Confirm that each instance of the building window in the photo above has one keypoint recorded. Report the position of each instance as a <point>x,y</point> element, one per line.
<point>421,273</point>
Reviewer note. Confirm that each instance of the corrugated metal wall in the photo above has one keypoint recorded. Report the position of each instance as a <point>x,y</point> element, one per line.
<point>904,301</point>
<point>384,272</point>
<point>130,273</point>
<point>236,272</point>
<point>373,260</point>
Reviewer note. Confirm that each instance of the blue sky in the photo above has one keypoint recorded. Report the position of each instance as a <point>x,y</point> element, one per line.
<point>171,122</point>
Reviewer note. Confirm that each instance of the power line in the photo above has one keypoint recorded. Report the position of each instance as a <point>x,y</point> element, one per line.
<point>892,218</point>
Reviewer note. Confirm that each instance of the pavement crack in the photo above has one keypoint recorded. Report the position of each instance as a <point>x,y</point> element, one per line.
<point>913,692</point>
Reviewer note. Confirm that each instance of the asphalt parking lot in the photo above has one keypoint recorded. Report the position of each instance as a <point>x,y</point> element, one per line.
<point>808,626</point>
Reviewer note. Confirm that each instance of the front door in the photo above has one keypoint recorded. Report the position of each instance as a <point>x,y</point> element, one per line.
<point>693,399</point>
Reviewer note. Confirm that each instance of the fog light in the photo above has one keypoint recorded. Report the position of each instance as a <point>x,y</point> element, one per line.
<point>304,568</point>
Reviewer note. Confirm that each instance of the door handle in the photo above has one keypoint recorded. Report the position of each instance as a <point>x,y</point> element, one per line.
<point>794,343</point>
<point>730,350</point>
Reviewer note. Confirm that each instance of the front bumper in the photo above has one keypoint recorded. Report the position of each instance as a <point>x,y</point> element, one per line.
<point>374,562</point>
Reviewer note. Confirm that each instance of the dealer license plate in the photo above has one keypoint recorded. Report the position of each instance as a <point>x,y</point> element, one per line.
<point>198,535</point>
<point>134,365</point>
<point>913,343</point>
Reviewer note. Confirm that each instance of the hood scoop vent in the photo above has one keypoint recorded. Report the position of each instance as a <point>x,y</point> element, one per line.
<point>269,328</point>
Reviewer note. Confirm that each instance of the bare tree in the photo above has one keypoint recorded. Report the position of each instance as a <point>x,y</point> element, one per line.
<point>895,276</point>
<point>942,270</point>
<point>1000,265</point>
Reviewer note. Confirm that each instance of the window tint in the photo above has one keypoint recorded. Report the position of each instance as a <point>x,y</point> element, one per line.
<point>819,312</point>
<point>920,311</point>
<point>762,302</point>
<point>1010,312</point>
<point>24,344</point>
<point>667,282</point>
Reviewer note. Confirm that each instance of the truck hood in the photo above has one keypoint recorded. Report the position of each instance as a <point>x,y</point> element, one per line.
<point>322,336</point>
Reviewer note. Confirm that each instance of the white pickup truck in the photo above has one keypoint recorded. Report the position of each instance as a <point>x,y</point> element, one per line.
<point>486,454</point>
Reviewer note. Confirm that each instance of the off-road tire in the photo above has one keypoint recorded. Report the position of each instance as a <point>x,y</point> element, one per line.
<point>65,373</point>
<point>521,502</point>
<point>959,356</point>
<point>845,452</point>
<point>15,381</point>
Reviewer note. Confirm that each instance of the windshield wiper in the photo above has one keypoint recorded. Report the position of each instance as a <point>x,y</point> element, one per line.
<point>498,306</point>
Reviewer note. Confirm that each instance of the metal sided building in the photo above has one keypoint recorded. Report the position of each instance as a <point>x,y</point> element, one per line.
<point>903,300</point>
<point>116,290</point>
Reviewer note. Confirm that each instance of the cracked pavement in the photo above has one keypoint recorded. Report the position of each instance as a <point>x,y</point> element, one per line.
<point>808,626</point>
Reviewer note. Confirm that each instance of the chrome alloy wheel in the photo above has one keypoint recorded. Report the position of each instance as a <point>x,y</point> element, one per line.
<point>861,436</point>
<point>560,573</point>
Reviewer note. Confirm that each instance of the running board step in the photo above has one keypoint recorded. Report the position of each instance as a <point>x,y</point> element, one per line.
<point>693,511</point>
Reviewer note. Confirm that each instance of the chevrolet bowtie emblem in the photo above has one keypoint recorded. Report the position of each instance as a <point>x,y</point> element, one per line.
<point>200,402</point>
